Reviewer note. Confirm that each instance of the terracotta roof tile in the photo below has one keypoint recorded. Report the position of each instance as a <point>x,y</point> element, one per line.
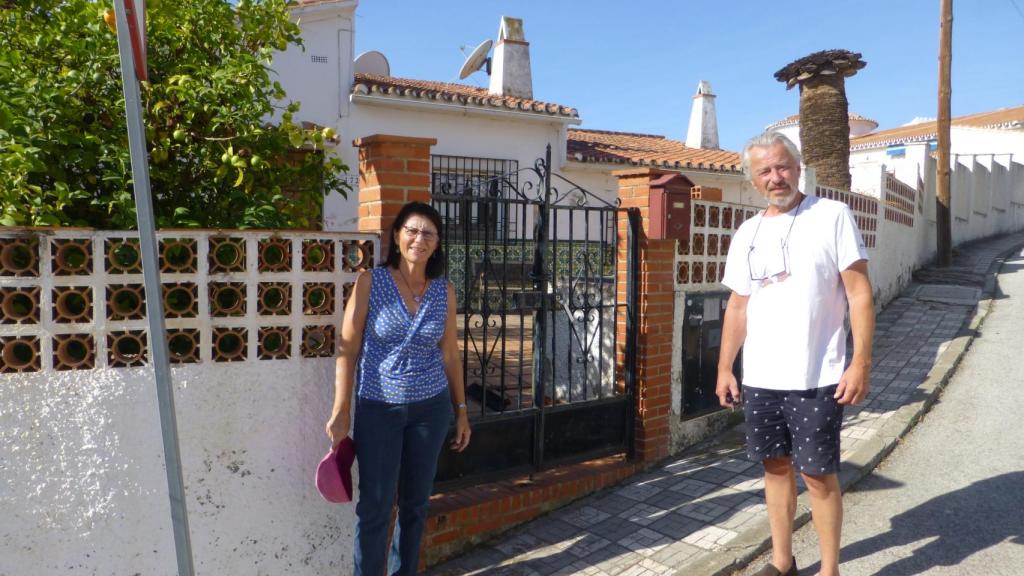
<point>1002,119</point>
<point>795,119</point>
<point>404,88</point>
<point>601,146</point>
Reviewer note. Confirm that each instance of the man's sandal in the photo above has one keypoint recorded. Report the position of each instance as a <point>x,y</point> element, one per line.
<point>770,570</point>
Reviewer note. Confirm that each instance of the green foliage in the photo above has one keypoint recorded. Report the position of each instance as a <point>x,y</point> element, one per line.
<point>216,159</point>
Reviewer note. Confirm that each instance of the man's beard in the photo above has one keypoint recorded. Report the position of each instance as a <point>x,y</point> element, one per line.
<point>782,202</point>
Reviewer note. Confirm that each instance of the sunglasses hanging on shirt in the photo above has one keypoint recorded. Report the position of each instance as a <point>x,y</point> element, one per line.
<point>770,264</point>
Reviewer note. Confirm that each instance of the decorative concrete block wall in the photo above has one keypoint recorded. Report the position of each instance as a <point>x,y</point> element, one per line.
<point>700,265</point>
<point>900,201</point>
<point>864,209</point>
<point>227,298</point>
<point>252,324</point>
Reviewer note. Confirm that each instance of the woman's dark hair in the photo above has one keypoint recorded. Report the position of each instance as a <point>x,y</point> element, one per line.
<point>436,263</point>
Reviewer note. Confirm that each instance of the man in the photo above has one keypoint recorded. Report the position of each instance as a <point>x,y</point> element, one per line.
<point>792,269</point>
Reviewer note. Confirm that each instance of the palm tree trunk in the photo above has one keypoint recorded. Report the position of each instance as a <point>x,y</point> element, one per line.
<point>825,129</point>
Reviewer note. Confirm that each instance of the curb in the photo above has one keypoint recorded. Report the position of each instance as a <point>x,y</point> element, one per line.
<point>751,543</point>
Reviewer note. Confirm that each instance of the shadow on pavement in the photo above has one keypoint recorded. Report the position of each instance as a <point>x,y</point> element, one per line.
<point>959,524</point>
<point>876,482</point>
<point>552,545</point>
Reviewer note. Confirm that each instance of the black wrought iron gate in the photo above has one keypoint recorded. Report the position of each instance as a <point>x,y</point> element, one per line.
<point>546,329</point>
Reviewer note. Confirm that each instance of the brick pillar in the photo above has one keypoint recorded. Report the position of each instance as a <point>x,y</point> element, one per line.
<point>656,299</point>
<point>393,170</point>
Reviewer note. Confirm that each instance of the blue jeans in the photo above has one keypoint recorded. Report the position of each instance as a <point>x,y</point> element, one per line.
<point>397,447</point>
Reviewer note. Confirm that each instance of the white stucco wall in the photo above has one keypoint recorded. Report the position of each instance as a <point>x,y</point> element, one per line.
<point>791,131</point>
<point>84,488</point>
<point>82,481</point>
<point>986,190</point>
<point>320,73</point>
<point>962,141</point>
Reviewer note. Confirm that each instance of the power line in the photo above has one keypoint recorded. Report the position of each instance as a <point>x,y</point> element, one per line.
<point>1016,7</point>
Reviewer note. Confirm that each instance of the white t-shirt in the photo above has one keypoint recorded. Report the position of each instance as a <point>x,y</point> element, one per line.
<point>795,336</point>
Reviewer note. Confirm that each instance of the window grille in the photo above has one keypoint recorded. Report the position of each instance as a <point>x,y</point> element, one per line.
<point>489,182</point>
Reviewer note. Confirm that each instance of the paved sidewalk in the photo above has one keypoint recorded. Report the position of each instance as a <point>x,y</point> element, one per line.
<point>702,513</point>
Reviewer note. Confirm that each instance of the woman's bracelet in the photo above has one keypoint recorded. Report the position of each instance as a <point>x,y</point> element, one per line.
<point>460,406</point>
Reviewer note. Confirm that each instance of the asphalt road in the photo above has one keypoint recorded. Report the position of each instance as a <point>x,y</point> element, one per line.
<point>950,499</point>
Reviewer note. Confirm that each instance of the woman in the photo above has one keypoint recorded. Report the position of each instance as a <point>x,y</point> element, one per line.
<point>399,351</point>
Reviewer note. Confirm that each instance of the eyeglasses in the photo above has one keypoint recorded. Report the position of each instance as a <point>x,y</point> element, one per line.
<point>770,265</point>
<point>427,235</point>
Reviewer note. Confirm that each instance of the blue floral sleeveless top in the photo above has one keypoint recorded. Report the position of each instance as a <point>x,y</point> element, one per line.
<point>401,358</point>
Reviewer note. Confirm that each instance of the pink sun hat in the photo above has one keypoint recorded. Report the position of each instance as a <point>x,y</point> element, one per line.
<point>334,474</point>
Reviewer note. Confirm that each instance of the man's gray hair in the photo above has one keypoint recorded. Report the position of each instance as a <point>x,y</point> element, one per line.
<point>767,140</point>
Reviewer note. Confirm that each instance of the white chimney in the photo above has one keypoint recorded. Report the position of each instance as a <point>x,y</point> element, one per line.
<point>703,130</point>
<point>510,65</point>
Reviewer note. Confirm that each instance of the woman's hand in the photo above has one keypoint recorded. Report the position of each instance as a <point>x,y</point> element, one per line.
<point>452,359</point>
<point>338,427</point>
<point>462,433</point>
<point>352,327</point>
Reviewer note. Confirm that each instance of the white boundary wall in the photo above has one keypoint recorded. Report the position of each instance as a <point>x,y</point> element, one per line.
<point>82,481</point>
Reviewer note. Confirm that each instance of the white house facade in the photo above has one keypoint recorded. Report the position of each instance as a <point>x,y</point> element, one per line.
<point>502,122</point>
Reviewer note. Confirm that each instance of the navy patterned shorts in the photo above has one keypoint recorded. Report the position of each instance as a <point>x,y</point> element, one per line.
<point>803,424</point>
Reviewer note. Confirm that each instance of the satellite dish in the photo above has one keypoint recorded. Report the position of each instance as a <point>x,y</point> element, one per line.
<point>477,60</point>
<point>372,62</point>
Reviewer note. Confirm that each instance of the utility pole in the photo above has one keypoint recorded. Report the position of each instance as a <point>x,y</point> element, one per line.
<point>943,214</point>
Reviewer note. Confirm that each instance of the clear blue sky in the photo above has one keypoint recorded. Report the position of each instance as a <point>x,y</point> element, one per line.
<point>634,65</point>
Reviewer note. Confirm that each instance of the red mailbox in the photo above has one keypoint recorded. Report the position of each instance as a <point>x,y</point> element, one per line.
<point>670,208</point>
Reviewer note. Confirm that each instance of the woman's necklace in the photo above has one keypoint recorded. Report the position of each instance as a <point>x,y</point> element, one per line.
<point>417,298</point>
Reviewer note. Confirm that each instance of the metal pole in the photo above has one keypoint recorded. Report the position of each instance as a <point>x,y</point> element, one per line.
<point>540,333</point>
<point>154,297</point>
<point>943,219</point>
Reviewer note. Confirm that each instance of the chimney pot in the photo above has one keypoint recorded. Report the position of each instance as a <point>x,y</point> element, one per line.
<point>703,129</point>
<point>510,65</point>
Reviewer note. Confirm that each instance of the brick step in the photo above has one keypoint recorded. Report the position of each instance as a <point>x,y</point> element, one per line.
<point>461,518</point>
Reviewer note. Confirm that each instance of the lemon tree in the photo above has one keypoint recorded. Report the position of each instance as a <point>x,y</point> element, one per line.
<point>224,150</point>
